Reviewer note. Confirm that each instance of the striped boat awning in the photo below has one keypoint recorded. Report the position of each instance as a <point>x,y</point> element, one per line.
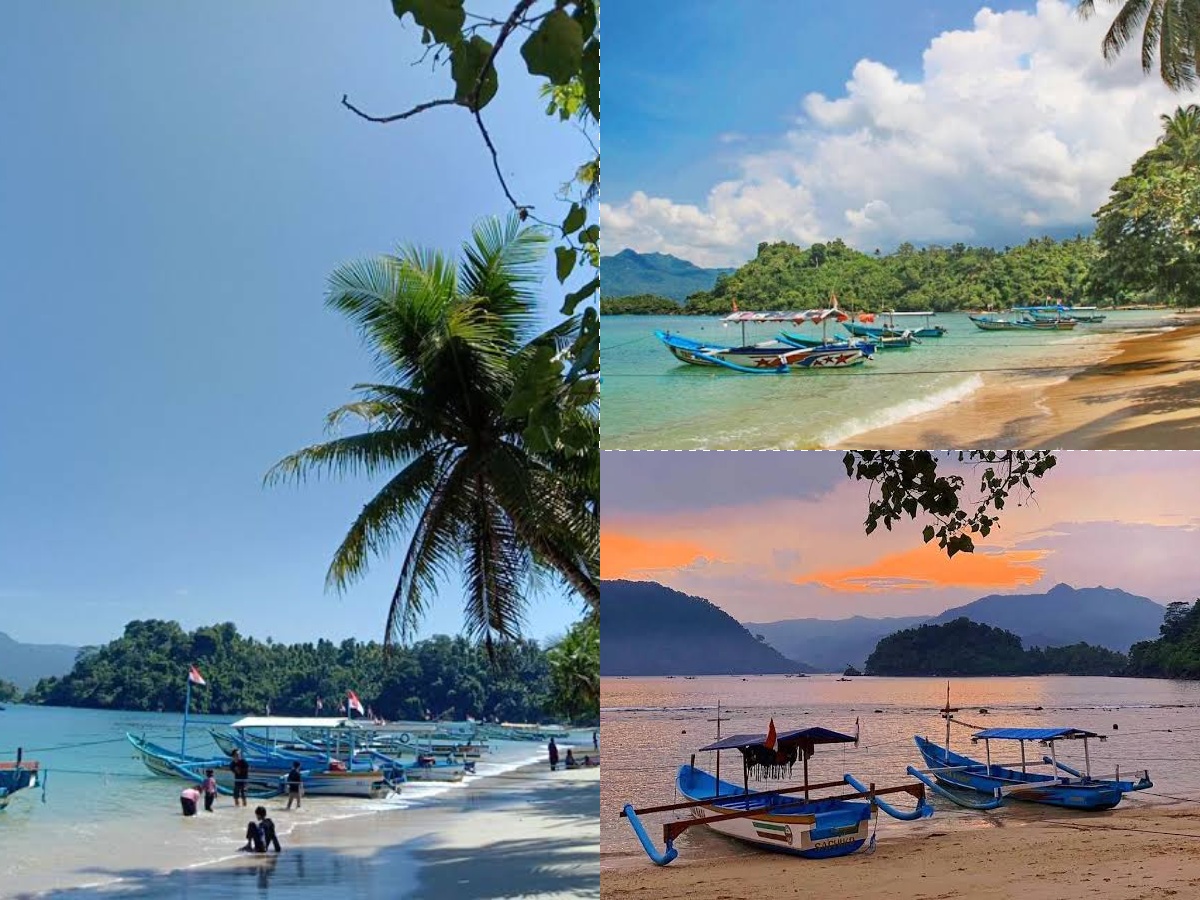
<point>802,736</point>
<point>1033,734</point>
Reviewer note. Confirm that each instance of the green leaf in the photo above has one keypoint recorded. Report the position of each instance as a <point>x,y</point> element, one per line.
<point>466,62</point>
<point>590,74</point>
<point>928,533</point>
<point>590,235</point>
<point>585,15</point>
<point>575,219</point>
<point>555,49</point>
<point>574,298</point>
<point>564,262</point>
<point>443,18</point>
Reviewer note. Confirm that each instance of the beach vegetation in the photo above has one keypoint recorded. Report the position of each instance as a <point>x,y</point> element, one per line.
<point>639,305</point>
<point>966,648</point>
<point>1176,653</point>
<point>575,672</point>
<point>447,677</point>
<point>467,493</point>
<point>1169,33</point>
<point>1148,233</point>
<point>9,691</point>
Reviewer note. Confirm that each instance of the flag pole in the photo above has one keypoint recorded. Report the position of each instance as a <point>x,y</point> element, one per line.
<point>187,703</point>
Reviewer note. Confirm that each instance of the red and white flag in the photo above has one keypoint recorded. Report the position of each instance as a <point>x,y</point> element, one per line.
<point>195,677</point>
<point>770,742</point>
<point>354,703</point>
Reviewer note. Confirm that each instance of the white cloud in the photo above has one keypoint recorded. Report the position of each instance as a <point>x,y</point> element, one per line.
<point>1017,125</point>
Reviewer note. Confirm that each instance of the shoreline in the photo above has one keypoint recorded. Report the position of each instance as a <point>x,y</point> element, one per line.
<point>1145,394</point>
<point>521,832</point>
<point>1139,851</point>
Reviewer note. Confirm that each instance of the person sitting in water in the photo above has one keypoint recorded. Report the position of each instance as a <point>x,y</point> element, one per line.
<point>260,834</point>
<point>588,761</point>
<point>188,798</point>
<point>570,762</point>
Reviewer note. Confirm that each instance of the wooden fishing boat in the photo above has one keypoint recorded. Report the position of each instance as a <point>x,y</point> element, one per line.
<point>769,357</point>
<point>804,342</point>
<point>789,820</point>
<point>17,776</point>
<point>992,323</point>
<point>1062,786</point>
<point>864,327</point>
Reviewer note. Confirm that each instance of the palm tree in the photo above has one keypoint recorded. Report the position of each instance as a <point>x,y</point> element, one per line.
<point>465,488</point>
<point>1170,30</point>
<point>1180,140</point>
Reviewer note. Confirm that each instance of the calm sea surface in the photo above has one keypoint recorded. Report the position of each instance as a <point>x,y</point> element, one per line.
<point>105,815</point>
<point>652,401</point>
<point>652,725</point>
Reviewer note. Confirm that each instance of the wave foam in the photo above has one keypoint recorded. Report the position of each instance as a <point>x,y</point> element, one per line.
<point>899,412</point>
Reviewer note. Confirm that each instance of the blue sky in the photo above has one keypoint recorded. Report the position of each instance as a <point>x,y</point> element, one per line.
<point>178,181</point>
<point>879,122</point>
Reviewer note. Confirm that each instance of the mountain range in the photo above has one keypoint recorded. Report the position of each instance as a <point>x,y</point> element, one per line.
<point>648,629</point>
<point>24,664</point>
<point>630,272</point>
<point>1104,617</point>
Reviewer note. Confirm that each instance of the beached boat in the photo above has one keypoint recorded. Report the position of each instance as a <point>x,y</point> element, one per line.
<point>790,820</point>
<point>865,326</point>
<point>1061,786</point>
<point>804,342</point>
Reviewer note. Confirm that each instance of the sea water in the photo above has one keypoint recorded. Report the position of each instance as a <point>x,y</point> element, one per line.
<point>653,725</point>
<point>102,817</point>
<point>653,401</point>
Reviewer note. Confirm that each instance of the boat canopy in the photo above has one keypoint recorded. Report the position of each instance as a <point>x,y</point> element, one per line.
<point>1033,734</point>
<point>809,315</point>
<point>804,736</point>
<point>339,723</point>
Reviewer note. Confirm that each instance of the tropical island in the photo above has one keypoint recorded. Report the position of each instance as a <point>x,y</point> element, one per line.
<point>966,648</point>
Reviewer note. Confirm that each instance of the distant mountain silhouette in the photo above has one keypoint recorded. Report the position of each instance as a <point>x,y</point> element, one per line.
<point>830,644</point>
<point>24,664</point>
<point>648,629</point>
<point>630,272</point>
<point>1103,617</point>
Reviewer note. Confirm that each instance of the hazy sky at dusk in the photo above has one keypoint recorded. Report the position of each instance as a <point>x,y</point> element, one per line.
<point>780,535</point>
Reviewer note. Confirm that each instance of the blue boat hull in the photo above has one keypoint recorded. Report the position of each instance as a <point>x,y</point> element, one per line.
<point>874,331</point>
<point>1051,790</point>
<point>817,829</point>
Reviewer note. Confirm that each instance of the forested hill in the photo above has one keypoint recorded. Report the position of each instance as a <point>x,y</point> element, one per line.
<point>786,276</point>
<point>629,272</point>
<point>146,668</point>
<point>652,630</point>
<point>965,648</point>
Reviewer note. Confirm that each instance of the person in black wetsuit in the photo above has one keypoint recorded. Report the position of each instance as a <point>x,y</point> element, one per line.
<point>260,834</point>
<point>241,774</point>
<point>295,785</point>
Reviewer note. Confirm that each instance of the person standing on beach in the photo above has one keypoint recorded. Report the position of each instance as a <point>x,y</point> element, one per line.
<point>553,748</point>
<point>595,740</point>
<point>188,798</point>
<point>241,775</point>
<point>209,786</point>
<point>295,785</point>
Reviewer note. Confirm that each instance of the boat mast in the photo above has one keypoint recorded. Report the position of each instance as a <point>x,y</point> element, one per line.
<point>1087,760</point>
<point>946,715</point>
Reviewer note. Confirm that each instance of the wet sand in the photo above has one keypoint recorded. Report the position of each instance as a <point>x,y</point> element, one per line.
<point>1146,395</point>
<point>1144,853</point>
<point>527,833</point>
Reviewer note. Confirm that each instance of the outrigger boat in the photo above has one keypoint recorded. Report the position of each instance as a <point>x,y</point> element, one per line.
<point>771,357</point>
<point>789,820</point>
<point>992,323</point>
<point>1039,318</point>
<point>864,327</point>
<point>1063,786</point>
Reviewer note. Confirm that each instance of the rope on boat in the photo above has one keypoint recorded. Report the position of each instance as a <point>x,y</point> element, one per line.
<point>119,740</point>
<point>1122,828</point>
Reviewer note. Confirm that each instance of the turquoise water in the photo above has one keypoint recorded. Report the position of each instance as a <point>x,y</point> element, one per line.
<point>653,725</point>
<point>105,816</point>
<point>652,401</point>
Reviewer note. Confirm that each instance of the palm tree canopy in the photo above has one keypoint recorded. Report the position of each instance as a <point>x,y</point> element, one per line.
<point>1170,31</point>
<point>463,488</point>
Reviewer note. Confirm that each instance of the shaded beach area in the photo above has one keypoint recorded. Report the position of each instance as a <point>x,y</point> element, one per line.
<point>1145,395</point>
<point>1126,853</point>
<point>524,833</point>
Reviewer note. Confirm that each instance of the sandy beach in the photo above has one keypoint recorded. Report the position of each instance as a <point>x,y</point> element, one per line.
<point>1132,854</point>
<point>525,833</point>
<point>1145,395</point>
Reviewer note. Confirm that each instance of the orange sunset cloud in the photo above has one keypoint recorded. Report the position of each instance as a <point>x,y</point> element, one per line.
<point>623,555</point>
<point>927,567</point>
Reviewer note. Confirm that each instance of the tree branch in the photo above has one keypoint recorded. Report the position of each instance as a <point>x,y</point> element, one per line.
<point>419,108</point>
